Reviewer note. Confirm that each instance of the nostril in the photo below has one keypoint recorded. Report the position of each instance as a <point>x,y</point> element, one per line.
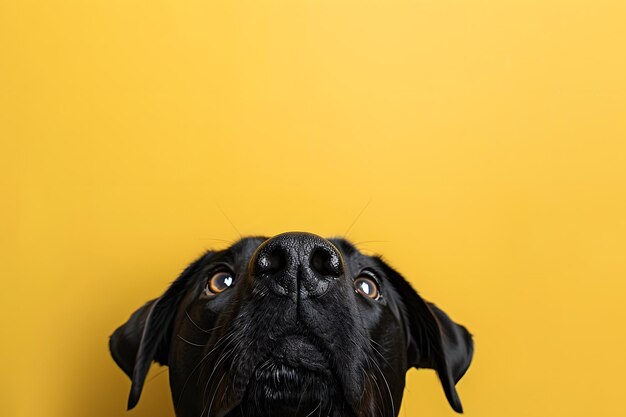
<point>325,261</point>
<point>270,261</point>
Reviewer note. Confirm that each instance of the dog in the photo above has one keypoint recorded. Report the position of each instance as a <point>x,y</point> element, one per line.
<point>294,325</point>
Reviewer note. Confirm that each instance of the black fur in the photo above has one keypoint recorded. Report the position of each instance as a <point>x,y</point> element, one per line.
<point>290,336</point>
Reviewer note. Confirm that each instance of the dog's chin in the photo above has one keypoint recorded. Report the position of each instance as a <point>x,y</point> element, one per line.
<point>293,381</point>
<point>279,388</point>
<point>295,378</point>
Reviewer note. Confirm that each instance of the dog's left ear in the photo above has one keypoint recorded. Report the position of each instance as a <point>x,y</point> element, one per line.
<point>434,340</point>
<point>146,335</point>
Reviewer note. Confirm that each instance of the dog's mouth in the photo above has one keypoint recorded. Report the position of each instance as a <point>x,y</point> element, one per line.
<point>283,383</point>
<point>299,352</point>
<point>294,379</point>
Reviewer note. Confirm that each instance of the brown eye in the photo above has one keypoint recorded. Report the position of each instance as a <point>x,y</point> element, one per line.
<point>367,287</point>
<point>219,282</point>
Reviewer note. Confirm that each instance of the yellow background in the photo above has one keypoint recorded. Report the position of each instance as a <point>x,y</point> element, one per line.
<point>489,138</point>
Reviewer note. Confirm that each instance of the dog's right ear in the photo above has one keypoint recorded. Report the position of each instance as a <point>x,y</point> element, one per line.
<point>146,335</point>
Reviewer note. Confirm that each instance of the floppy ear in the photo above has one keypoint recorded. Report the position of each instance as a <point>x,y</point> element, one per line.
<point>434,340</point>
<point>145,336</point>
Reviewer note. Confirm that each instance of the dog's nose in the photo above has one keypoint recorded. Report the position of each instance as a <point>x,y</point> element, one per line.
<point>297,264</point>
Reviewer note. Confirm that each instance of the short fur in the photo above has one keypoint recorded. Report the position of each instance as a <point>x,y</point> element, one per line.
<point>291,336</point>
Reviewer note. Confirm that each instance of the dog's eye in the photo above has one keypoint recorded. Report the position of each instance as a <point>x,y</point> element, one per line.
<point>219,282</point>
<point>367,287</point>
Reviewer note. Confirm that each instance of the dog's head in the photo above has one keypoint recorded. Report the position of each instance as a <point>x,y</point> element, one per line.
<point>293,325</point>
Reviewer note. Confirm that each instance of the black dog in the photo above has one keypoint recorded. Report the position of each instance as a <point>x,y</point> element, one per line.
<point>295,325</point>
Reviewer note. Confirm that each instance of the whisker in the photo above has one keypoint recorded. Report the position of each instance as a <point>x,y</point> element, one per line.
<point>393,407</point>
<point>221,358</point>
<point>213,398</point>
<point>205,357</point>
<point>304,389</point>
<point>315,409</point>
<point>380,394</point>
<point>160,373</point>
<point>381,355</point>
<point>228,218</point>
<point>357,218</point>
<point>200,328</point>
<point>214,239</point>
<point>223,347</point>
<point>190,343</point>
<point>368,251</point>
<point>370,241</point>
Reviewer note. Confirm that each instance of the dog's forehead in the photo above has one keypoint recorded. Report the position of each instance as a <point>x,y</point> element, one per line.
<point>245,247</point>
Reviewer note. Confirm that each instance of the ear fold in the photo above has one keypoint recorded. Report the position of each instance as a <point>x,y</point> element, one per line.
<point>434,340</point>
<point>125,340</point>
<point>145,336</point>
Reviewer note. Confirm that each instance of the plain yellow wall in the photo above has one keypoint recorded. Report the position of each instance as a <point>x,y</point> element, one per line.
<point>489,138</point>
